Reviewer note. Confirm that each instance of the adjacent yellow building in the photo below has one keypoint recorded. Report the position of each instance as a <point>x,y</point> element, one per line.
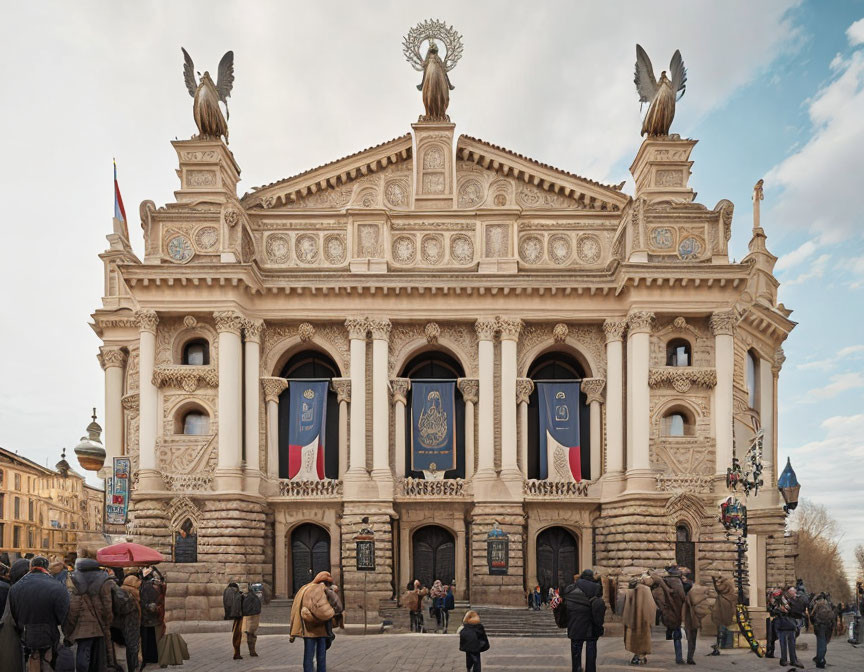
<point>42,510</point>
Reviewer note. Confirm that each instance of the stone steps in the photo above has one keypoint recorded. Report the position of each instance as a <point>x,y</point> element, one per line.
<point>519,622</point>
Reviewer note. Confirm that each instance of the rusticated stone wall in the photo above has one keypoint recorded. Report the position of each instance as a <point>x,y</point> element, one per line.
<point>149,523</point>
<point>496,589</point>
<point>366,587</point>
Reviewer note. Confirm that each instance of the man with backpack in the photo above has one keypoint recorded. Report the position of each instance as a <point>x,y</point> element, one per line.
<point>582,611</point>
<point>90,616</point>
<point>232,601</point>
<point>39,605</point>
<point>822,616</point>
<point>251,618</point>
<point>669,595</point>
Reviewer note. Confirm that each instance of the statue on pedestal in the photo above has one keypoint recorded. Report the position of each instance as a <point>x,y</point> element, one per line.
<point>208,115</point>
<point>661,94</point>
<point>435,84</point>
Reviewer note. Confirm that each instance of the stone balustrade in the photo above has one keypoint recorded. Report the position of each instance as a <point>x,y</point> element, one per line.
<point>310,489</point>
<point>542,489</point>
<point>422,488</point>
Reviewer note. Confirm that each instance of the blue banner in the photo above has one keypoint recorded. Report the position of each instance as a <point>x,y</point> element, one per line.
<point>117,492</point>
<point>433,426</point>
<point>308,414</point>
<point>560,453</point>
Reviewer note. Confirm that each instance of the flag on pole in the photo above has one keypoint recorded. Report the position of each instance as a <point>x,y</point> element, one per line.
<point>119,210</point>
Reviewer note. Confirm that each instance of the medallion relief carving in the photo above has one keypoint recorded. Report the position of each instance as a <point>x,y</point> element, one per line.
<point>432,248</point>
<point>404,250</point>
<point>396,194</point>
<point>334,248</point>
<point>278,248</point>
<point>531,249</point>
<point>306,248</point>
<point>471,193</point>
<point>589,249</point>
<point>560,248</point>
<point>206,238</point>
<point>461,249</point>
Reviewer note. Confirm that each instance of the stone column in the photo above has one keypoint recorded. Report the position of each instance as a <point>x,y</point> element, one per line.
<point>486,329</point>
<point>614,472</point>
<point>148,401</point>
<point>510,330</point>
<point>593,388</point>
<point>776,366</point>
<point>273,387</point>
<point>252,401</point>
<point>468,388</point>
<point>639,474</point>
<point>723,326</point>
<point>766,420</point>
<point>113,361</point>
<point>400,387</point>
<point>342,387</point>
<point>229,475</point>
<point>524,388</point>
<point>357,328</point>
<point>381,473</point>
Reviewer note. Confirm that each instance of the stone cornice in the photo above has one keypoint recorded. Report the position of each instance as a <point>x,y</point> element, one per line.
<point>228,321</point>
<point>273,387</point>
<point>724,323</point>
<point>640,322</point>
<point>357,328</point>
<point>112,356</point>
<point>524,388</point>
<point>147,320</point>
<point>593,389</point>
<point>470,389</point>
<point>342,388</point>
<point>380,329</point>
<point>614,330</point>
<point>399,389</point>
<point>188,378</point>
<point>681,378</point>
<point>486,328</point>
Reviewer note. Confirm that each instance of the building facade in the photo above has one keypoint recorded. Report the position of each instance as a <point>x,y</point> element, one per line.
<point>437,257</point>
<point>44,511</point>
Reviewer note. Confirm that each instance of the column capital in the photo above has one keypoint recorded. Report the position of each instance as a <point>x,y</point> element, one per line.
<point>110,355</point>
<point>399,389</point>
<point>229,321</point>
<point>147,320</point>
<point>357,328</point>
<point>593,389</point>
<point>380,329</point>
<point>524,388</point>
<point>640,322</point>
<point>510,328</point>
<point>252,330</point>
<point>273,387</point>
<point>723,323</point>
<point>342,388</point>
<point>779,358</point>
<point>470,389</point>
<point>486,328</point>
<point>614,330</point>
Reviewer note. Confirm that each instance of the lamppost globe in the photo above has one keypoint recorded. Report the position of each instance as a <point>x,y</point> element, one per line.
<point>789,487</point>
<point>90,451</point>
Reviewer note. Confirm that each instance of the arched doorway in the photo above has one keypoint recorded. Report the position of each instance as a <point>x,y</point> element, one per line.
<point>557,366</point>
<point>311,365</point>
<point>310,553</point>
<point>685,548</point>
<point>434,554</point>
<point>557,558</point>
<point>435,365</point>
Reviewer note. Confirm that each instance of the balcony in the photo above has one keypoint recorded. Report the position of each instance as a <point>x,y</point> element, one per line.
<point>327,489</point>
<point>420,488</point>
<point>535,489</point>
<point>682,378</point>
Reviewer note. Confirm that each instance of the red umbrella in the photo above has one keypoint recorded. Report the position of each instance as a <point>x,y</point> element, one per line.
<point>128,554</point>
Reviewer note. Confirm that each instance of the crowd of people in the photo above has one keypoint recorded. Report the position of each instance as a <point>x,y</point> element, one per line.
<point>66,615</point>
<point>439,600</point>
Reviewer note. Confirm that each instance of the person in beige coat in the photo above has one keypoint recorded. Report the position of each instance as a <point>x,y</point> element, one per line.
<point>695,609</point>
<point>310,615</point>
<point>723,610</point>
<point>638,617</point>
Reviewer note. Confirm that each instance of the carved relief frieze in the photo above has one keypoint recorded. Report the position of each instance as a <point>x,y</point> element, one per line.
<point>188,378</point>
<point>529,196</point>
<point>587,340</point>
<point>682,378</point>
<point>333,337</point>
<point>460,339</point>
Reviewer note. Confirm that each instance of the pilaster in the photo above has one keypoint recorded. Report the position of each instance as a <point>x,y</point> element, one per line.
<point>229,472</point>
<point>434,171</point>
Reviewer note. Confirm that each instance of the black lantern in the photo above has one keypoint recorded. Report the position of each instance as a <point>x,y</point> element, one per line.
<point>789,487</point>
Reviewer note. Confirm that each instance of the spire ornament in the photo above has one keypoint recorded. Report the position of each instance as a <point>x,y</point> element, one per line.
<point>208,115</point>
<point>661,94</point>
<point>435,84</point>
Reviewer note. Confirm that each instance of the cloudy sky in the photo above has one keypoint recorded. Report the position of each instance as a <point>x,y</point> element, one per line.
<point>775,90</point>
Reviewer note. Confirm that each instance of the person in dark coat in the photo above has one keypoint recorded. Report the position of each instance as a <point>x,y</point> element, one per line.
<point>232,601</point>
<point>669,595</point>
<point>90,614</point>
<point>472,640</point>
<point>39,605</point>
<point>583,600</point>
<point>152,595</point>
<point>823,616</point>
<point>786,627</point>
<point>449,605</point>
<point>4,586</point>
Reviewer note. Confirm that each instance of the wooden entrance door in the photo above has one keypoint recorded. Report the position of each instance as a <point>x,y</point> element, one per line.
<point>434,551</point>
<point>310,553</point>
<point>556,558</point>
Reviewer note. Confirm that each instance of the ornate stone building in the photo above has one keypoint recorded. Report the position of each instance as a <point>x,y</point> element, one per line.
<point>433,256</point>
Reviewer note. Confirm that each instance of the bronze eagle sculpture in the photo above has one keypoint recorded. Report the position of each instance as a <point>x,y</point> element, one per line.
<point>208,115</point>
<point>661,94</point>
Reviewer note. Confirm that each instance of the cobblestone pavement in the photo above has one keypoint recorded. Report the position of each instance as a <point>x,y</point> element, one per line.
<point>440,653</point>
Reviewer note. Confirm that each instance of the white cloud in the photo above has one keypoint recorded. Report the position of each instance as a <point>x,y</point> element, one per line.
<point>796,256</point>
<point>840,382</point>
<point>855,33</point>
<point>828,166</point>
<point>831,362</point>
<point>816,270</point>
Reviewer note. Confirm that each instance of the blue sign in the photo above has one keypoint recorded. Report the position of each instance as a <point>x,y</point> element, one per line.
<point>560,453</point>
<point>308,401</point>
<point>433,426</point>
<point>117,492</point>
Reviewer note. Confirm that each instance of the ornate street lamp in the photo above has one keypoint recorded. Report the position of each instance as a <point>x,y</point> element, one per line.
<point>789,487</point>
<point>90,451</point>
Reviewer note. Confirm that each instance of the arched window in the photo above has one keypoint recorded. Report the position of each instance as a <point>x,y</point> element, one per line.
<point>435,365</point>
<point>678,422</point>
<point>194,422</point>
<point>678,353</point>
<point>196,353</point>
<point>752,379</point>
<point>685,549</point>
<point>310,365</point>
<point>563,367</point>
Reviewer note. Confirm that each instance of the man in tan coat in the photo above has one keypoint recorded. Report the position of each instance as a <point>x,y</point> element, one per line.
<point>638,617</point>
<point>310,615</point>
<point>723,611</point>
<point>695,609</point>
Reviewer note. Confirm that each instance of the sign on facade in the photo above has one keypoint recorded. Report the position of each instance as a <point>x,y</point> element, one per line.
<point>498,550</point>
<point>117,492</point>
<point>365,555</point>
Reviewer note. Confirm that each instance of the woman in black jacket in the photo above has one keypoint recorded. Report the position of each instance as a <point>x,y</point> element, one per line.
<point>472,640</point>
